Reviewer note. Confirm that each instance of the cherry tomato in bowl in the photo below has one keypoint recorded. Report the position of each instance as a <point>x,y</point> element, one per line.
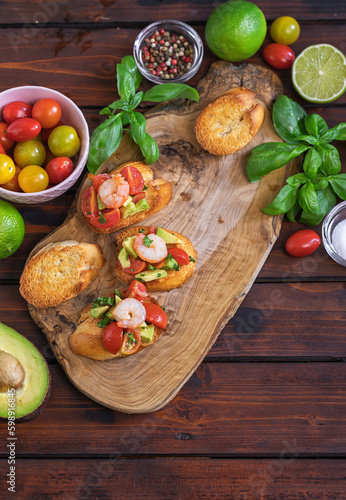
<point>59,169</point>
<point>23,129</point>
<point>5,141</point>
<point>64,141</point>
<point>33,179</point>
<point>47,112</point>
<point>302,243</point>
<point>7,169</point>
<point>29,153</point>
<point>278,55</point>
<point>16,109</point>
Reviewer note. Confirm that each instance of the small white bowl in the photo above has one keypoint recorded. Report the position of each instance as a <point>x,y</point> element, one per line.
<point>336,215</point>
<point>71,115</point>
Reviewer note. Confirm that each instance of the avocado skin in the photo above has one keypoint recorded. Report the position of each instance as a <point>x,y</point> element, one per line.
<point>27,346</point>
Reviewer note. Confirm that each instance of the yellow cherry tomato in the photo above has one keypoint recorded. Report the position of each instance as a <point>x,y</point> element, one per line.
<point>285,30</point>
<point>33,178</point>
<point>7,169</point>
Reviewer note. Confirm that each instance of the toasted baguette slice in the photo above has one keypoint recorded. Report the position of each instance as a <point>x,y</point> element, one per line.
<point>60,271</point>
<point>86,340</point>
<point>158,195</point>
<point>174,279</point>
<point>230,122</point>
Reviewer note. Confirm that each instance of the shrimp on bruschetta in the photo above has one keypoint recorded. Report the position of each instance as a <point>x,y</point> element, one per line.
<point>160,258</point>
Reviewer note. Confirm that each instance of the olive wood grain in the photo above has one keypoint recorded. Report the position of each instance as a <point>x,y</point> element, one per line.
<point>219,210</point>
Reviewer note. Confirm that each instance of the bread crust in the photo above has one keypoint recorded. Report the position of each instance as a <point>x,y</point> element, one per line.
<point>158,194</point>
<point>59,272</point>
<point>86,340</point>
<point>230,122</point>
<point>174,279</point>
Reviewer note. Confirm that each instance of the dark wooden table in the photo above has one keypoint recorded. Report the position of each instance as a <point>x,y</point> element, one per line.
<point>264,416</point>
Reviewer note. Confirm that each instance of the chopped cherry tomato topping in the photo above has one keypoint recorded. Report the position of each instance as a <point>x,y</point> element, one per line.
<point>179,255</point>
<point>138,197</point>
<point>155,315</point>
<point>89,203</point>
<point>152,230</point>
<point>107,218</point>
<point>134,178</point>
<point>136,266</point>
<point>112,337</point>
<point>136,290</point>
<point>99,179</point>
<point>131,342</point>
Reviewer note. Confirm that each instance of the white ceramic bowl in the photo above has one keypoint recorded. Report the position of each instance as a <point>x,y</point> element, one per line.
<point>71,115</point>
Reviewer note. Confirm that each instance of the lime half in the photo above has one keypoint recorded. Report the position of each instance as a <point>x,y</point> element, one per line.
<point>319,73</point>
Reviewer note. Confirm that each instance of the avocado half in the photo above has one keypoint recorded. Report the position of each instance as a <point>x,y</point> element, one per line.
<point>23,368</point>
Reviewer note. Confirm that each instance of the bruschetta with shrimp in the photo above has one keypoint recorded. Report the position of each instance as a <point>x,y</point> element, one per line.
<point>125,196</point>
<point>119,324</point>
<point>160,258</point>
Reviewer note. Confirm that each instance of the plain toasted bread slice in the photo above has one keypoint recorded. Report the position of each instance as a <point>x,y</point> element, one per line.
<point>86,340</point>
<point>60,271</point>
<point>230,122</point>
<point>174,279</point>
<point>158,194</point>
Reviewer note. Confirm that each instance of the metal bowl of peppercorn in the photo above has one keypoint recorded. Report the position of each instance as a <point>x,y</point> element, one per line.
<point>168,51</point>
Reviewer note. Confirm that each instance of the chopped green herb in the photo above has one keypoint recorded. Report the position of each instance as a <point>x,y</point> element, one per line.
<point>141,230</point>
<point>132,270</point>
<point>145,187</point>
<point>191,259</point>
<point>151,267</point>
<point>89,213</point>
<point>159,275</point>
<point>176,267</point>
<point>118,293</point>
<point>147,241</point>
<point>102,219</point>
<point>163,308</point>
<point>104,322</point>
<point>141,274</point>
<point>103,301</point>
<point>130,338</point>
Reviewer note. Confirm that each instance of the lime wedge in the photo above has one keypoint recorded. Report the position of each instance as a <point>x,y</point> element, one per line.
<point>319,73</point>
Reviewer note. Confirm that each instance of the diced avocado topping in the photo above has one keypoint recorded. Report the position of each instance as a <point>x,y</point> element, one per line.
<point>96,312</point>
<point>151,275</point>
<point>124,258</point>
<point>146,331</point>
<point>142,205</point>
<point>130,208</point>
<point>167,237</point>
<point>128,245</point>
<point>170,264</point>
<point>100,205</point>
<point>129,199</point>
<point>110,312</point>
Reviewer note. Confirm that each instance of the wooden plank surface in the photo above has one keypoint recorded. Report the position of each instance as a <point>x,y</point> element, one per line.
<point>281,478</point>
<point>226,409</point>
<point>262,328</point>
<point>118,12</point>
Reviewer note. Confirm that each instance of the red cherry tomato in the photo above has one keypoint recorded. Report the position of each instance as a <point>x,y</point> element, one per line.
<point>47,112</point>
<point>136,290</point>
<point>59,169</point>
<point>278,55</point>
<point>45,132</point>
<point>89,203</point>
<point>112,337</point>
<point>138,197</point>
<point>302,243</point>
<point>179,255</point>
<point>2,150</point>
<point>5,141</point>
<point>15,110</point>
<point>99,179</point>
<point>152,230</point>
<point>106,219</point>
<point>136,266</point>
<point>155,315</point>
<point>23,129</point>
<point>131,342</point>
<point>134,178</point>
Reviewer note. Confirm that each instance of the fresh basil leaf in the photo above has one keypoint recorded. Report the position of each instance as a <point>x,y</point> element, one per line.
<point>270,156</point>
<point>312,163</point>
<point>310,139</point>
<point>331,163</point>
<point>337,133</point>
<point>320,184</point>
<point>131,66</point>
<point>284,201</point>
<point>136,100</point>
<point>125,83</point>
<point>315,125</point>
<point>293,212</point>
<point>149,148</point>
<point>288,118</point>
<point>125,119</point>
<point>120,104</point>
<point>104,141</point>
<point>326,200</point>
<point>338,183</point>
<point>106,111</point>
<point>308,199</point>
<point>297,179</point>
<point>167,91</point>
<point>138,123</point>
<point>310,219</point>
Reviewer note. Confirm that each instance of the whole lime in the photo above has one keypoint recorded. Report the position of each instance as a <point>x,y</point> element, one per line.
<point>12,229</point>
<point>235,30</point>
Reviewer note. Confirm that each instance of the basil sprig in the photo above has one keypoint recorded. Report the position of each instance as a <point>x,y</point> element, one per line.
<point>122,116</point>
<point>312,193</point>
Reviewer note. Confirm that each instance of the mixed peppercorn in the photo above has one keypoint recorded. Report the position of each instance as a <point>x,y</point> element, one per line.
<point>167,55</point>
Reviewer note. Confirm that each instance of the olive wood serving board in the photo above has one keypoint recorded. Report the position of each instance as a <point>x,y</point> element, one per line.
<point>218,209</point>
